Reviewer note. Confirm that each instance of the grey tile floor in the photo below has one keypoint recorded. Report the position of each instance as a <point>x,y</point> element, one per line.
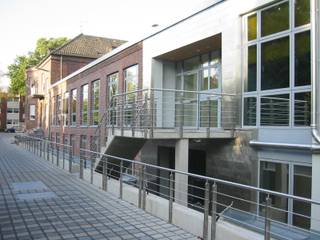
<point>39,201</point>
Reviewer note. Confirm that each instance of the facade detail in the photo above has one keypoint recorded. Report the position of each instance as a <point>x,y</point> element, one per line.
<point>228,92</point>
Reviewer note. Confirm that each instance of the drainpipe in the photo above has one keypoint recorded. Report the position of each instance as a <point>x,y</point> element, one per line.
<point>61,68</point>
<point>315,67</point>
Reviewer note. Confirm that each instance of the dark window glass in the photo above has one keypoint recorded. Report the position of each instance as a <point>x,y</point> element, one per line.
<point>251,84</point>
<point>252,27</point>
<point>302,59</point>
<point>274,110</point>
<point>191,64</point>
<point>275,64</point>
<point>302,109</point>
<point>275,177</point>
<point>250,111</point>
<point>302,188</point>
<point>275,19</point>
<point>302,12</point>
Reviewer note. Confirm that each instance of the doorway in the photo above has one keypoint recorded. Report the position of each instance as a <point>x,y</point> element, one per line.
<point>197,165</point>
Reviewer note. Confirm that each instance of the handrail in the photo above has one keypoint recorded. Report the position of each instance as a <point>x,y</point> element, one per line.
<point>211,179</point>
<point>174,90</point>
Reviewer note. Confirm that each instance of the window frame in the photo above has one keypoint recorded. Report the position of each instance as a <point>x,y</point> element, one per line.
<point>84,96</point>
<point>292,89</point>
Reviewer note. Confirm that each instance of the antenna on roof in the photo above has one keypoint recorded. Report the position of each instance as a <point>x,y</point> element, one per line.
<point>82,25</point>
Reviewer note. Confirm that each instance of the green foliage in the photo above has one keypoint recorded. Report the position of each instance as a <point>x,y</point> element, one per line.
<point>17,70</point>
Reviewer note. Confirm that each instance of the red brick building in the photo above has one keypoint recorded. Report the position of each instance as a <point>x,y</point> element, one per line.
<point>79,101</point>
<point>61,62</point>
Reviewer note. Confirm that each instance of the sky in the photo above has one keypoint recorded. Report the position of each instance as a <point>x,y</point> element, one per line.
<point>22,22</point>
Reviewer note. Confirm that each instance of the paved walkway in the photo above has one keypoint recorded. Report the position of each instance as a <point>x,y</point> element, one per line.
<point>40,201</point>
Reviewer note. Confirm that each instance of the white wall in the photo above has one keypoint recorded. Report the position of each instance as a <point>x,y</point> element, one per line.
<point>222,18</point>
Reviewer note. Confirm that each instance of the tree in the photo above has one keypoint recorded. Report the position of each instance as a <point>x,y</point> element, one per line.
<point>17,70</point>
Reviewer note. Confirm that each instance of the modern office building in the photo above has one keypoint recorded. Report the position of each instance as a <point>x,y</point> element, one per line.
<point>230,91</point>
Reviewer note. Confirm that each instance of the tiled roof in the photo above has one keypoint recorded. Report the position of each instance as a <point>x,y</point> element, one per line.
<point>87,46</point>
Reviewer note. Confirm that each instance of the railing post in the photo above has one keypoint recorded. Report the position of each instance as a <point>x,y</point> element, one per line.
<point>170,197</point>
<point>104,175</point>
<point>63,156</point>
<point>70,159</point>
<point>214,212</point>
<point>48,149</point>
<point>57,152</point>
<point>121,180</point>
<point>52,150</point>
<point>91,169</point>
<point>122,114</point>
<point>152,106</point>
<point>81,164</point>
<point>181,118</point>
<point>140,186</point>
<point>209,118</point>
<point>40,148</point>
<point>206,210</point>
<point>133,121</point>
<point>267,222</point>
<point>145,116</point>
<point>144,192</point>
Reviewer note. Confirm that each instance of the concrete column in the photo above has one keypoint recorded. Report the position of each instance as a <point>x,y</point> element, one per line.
<point>315,194</point>
<point>181,164</point>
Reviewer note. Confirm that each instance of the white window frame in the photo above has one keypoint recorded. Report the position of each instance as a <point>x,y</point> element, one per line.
<point>291,90</point>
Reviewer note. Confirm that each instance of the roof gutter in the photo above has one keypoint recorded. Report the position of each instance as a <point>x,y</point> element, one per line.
<point>315,67</point>
<point>293,146</point>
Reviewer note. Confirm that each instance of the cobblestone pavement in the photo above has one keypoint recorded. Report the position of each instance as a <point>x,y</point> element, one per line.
<point>40,201</point>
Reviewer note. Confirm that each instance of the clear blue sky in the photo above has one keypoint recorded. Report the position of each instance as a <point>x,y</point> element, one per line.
<point>22,22</point>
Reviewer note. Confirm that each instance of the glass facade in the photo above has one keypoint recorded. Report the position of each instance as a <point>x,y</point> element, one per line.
<point>199,77</point>
<point>278,66</point>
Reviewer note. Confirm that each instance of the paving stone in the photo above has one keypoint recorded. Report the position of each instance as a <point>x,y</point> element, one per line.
<point>40,201</point>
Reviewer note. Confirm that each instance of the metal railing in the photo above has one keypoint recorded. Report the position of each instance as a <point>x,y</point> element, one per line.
<point>149,109</point>
<point>252,208</point>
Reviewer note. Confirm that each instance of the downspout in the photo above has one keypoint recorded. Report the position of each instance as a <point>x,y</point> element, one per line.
<point>315,68</point>
<point>61,70</point>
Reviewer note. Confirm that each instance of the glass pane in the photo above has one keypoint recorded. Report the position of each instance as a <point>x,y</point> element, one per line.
<point>302,12</point>
<point>302,109</point>
<point>275,19</point>
<point>204,80</point>
<point>190,84</point>
<point>302,59</point>
<point>191,64</point>
<point>214,76</point>
<point>302,188</point>
<point>208,113</point>
<point>205,60</point>
<point>190,113</point>
<point>275,64</point>
<point>252,27</point>
<point>275,177</point>
<point>251,84</point>
<point>215,57</point>
<point>275,110</point>
<point>250,111</point>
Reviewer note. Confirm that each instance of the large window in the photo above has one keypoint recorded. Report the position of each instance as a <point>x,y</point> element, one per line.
<point>74,107</point>
<point>289,178</point>
<point>278,73</point>
<point>66,109</point>
<point>113,89</point>
<point>131,84</point>
<point>84,104</point>
<point>95,102</point>
<point>32,112</point>
<point>59,110</point>
<point>199,76</point>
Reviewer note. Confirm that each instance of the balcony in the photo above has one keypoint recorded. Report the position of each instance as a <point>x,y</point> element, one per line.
<point>36,93</point>
<point>169,113</point>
